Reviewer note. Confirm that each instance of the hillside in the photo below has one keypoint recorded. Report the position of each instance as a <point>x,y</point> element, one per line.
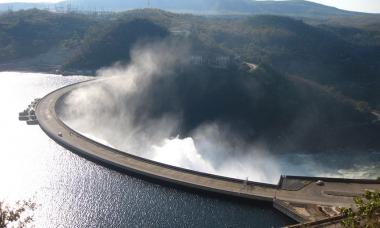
<point>29,33</point>
<point>103,47</point>
<point>312,79</point>
<point>15,6</point>
<point>327,54</point>
<point>290,8</point>
<point>298,8</point>
<point>257,106</point>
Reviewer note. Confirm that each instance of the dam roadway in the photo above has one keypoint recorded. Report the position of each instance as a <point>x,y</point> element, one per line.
<point>305,199</point>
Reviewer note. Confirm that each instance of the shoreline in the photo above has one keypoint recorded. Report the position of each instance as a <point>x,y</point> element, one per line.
<point>46,69</point>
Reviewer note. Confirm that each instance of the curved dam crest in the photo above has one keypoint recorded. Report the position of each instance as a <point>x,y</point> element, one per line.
<point>289,195</point>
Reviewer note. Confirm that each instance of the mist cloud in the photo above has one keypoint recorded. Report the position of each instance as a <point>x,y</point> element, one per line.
<point>117,111</point>
<point>108,111</point>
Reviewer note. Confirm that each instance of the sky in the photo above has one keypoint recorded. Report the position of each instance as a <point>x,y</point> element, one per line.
<point>369,6</point>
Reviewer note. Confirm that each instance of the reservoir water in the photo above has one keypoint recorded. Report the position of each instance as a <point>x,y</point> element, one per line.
<point>73,192</point>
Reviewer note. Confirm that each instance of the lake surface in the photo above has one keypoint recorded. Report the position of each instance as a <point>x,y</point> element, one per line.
<point>73,192</point>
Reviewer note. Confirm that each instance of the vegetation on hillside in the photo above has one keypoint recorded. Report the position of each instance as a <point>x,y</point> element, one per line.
<point>232,7</point>
<point>341,57</point>
<point>295,48</point>
<point>29,33</point>
<point>261,105</point>
<point>103,47</point>
<point>316,85</point>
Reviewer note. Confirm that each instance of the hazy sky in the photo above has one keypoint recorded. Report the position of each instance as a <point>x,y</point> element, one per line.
<point>371,6</point>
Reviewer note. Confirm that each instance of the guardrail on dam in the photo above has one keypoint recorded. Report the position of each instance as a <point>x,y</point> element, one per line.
<point>305,199</point>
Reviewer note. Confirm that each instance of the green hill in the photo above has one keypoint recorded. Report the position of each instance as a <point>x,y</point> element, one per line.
<point>315,86</point>
<point>105,46</point>
<point>328,54</point>
<point>297,8</point>
<point>32,32</point>
<point>348,60</point>
<point>260,106</point>
<point>344,58</point>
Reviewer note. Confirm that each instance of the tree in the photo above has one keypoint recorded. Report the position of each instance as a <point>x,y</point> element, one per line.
<point>17,216</point>
<point>367,213</point>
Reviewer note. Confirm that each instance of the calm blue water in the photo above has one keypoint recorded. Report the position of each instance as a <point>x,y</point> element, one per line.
<point>74,192</point>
